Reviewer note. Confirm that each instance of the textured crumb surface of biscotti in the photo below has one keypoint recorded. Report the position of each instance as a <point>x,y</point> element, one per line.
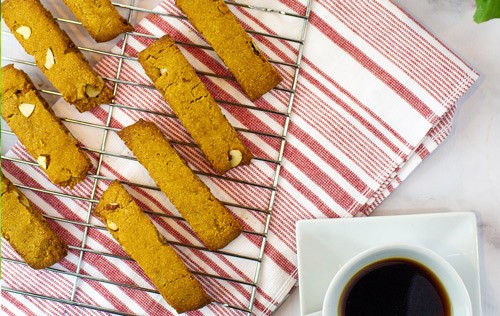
<point>43,134</point>
<point>55,54</point>
<point>27,231</point>
<point>209,219</point>
<point>193,104</point>
<point>223,31</point>
<point>100,18</point>
<point>141,240</point>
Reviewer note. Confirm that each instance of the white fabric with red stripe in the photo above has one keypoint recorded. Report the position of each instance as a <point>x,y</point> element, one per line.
<point>376,94</point>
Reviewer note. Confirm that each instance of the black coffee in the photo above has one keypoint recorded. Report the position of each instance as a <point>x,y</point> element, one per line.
<point>394,287</point>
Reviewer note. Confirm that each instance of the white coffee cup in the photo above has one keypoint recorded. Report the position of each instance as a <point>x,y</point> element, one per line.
<point>453,285</point>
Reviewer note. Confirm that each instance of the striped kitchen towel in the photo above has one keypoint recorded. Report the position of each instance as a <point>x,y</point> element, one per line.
<point>376,93</point>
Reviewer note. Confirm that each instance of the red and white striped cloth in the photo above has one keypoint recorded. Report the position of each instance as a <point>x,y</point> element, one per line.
<point>376,95</point>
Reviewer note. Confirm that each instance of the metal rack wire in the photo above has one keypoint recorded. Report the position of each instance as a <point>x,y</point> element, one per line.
<point>101,152</point>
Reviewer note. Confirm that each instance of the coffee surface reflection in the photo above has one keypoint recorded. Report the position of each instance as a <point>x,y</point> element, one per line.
<point>395,286</point>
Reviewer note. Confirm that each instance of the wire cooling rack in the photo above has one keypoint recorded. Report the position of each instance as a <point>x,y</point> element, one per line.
<point>132,12</point>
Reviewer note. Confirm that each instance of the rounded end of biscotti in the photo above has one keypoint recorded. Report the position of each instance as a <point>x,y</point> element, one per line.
<point>223,237</point>
<point>50,254</point>
<point>239,157</point>
<point>235,157</point>
<point>112,31</point>
<point>91,95</point>
<point>197,300</point>
<point>255,89</point>
<point>66,171</point>
<point>72,181</point>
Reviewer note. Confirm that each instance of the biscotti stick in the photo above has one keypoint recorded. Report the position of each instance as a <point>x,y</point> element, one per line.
<point>45,137</point>
<point>210,220</point>
<point>195,107</point>
<point>55,54</point>
<point>221,29</point>
<point>100,18</point>
<point>140,239</point>
<point>27,231</point>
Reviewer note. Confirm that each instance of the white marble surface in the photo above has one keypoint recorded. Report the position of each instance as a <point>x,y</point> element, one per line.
<point>463,174</point>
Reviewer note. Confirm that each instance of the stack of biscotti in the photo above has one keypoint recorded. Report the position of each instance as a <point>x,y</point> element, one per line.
<point>27,231</point>
<point>55,54</point>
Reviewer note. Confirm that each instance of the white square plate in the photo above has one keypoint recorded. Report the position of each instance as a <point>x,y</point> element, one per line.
<point>325,245</point>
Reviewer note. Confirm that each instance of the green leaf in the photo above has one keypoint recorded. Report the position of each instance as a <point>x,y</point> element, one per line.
<point>486,10</point>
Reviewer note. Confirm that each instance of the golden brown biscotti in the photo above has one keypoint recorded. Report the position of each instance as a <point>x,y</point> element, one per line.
<point>140,239</point>
<point>222,30</point>
<point>195,107</point>
<point>27,231</point>
<point>210,220</point>
<point>55,54</point>
<point>43,134</point>
<point>100,18</point>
